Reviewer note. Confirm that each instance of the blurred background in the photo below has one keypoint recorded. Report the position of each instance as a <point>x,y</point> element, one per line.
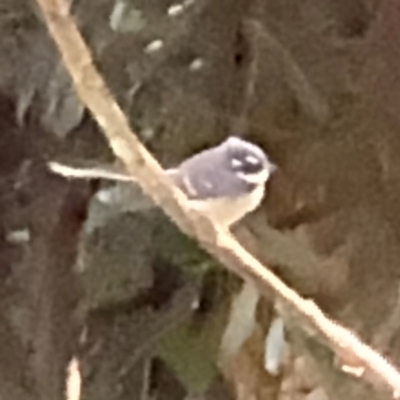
<point>145,311</point>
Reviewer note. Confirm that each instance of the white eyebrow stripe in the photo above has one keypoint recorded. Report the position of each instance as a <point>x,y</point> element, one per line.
<point>252,159</point>
<point>236,163</point>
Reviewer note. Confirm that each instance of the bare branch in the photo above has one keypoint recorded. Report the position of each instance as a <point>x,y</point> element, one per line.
<point>95,95</point>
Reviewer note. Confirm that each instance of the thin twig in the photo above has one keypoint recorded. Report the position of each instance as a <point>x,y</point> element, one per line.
<point>312,102</point>
<point>94,93</point>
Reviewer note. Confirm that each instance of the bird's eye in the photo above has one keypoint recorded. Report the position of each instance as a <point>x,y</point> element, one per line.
<point>247,164</point>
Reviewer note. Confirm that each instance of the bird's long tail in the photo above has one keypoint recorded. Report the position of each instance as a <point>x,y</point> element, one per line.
<point>108,172</point>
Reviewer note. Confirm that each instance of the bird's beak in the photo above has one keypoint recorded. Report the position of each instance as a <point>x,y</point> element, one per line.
<point>273,168</point>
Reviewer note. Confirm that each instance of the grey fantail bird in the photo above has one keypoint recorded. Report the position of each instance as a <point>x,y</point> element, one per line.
<point>226,181</point>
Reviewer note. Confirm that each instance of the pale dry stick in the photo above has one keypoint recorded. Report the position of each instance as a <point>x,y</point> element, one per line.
<point>73,381</point>
<point>146,386</point>
<point>94,94</point>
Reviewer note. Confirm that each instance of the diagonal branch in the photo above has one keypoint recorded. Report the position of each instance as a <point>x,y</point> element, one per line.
<point>92,90</point>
